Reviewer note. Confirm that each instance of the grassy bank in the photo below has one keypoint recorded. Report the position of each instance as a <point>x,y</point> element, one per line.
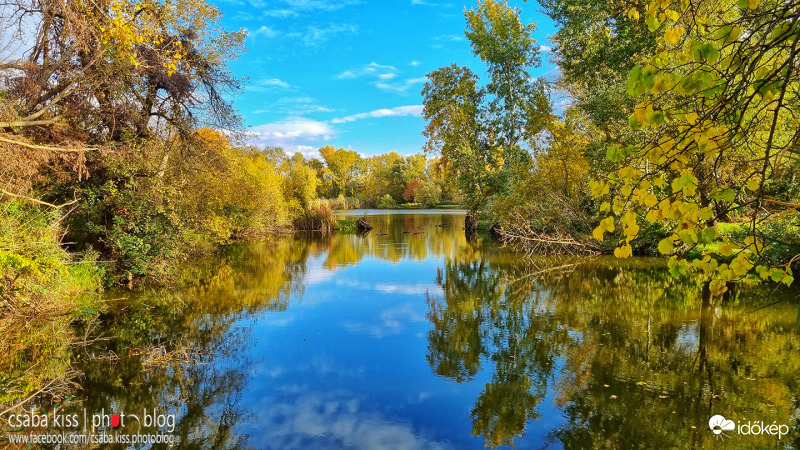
<point>43,290</point>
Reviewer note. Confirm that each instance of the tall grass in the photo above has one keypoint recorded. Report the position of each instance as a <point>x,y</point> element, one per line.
<point>342,202</point>
<point>318,216</point>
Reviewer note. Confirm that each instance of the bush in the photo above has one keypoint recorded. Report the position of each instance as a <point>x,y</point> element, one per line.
<point>385,202</point>
<point>428,193</point>
<point>148,215</point>
<point>346,225</point>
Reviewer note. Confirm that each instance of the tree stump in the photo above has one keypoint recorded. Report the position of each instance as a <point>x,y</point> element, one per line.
<point>362,225</point>
<point>469,222</point>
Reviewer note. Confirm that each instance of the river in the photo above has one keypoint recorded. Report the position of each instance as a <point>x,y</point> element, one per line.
<point>414,336</point>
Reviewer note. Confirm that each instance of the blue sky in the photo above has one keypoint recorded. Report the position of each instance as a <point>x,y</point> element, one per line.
<point>347,72</point>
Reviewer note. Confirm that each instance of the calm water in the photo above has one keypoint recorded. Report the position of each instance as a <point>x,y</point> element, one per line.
<point>430,340</point>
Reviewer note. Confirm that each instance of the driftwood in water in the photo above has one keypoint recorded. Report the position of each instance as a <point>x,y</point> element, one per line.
<point>520,233</point>
<point>362,225</point>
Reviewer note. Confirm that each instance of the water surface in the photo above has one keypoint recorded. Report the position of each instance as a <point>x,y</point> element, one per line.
<point>419,336</point>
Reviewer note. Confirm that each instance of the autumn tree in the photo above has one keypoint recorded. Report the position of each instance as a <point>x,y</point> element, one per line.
<point>113,69</point>
<point>478,131</point>
<point>428,193</point>
<point>378,176</point>
<point>340,166</point>
<point>717,124</point>
<point>411,190</point>
<point>517,105</point>
<point>455,131</point>
<point>300,182</point>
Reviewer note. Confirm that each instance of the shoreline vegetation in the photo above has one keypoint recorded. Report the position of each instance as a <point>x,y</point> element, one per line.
<point>116,171</point>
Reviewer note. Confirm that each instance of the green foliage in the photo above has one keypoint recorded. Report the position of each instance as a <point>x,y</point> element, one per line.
<point>346,225</point>
<point>501,41</point>
<point>42,288</point>
<point>476,131</point>
<point>147,216</point>
<point>428,194</point>
<point>386,202</point>
<point>716,110</point>
<point>454,131</point>
<point>299,183</point>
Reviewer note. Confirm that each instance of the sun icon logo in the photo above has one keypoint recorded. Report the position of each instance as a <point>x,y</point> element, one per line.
<point>719,425</point>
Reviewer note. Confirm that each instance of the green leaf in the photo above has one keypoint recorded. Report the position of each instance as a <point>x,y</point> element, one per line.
<point>729,195</point>
<point>633,123</point>
<point>776,275</point>
<point>612,154</point>
<point>652,23</point>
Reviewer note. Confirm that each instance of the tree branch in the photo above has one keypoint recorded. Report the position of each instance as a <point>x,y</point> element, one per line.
<point>44,147</point>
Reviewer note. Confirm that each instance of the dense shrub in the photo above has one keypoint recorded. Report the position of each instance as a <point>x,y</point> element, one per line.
<point>428,193</point>
<point>154,203</point>
<point>385,202</point>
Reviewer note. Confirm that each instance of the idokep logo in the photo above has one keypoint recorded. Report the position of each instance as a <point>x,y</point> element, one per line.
<point>719,425</point>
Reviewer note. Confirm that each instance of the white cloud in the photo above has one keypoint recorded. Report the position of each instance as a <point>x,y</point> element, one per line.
<point>392,321</point>
<point>283,13</point>
<point>313,419</point>
<point>292,134</point>
<point>293,8</point>
<point>545,49</point>
<point>273,82</point>
<point>411,110</point>
<point>449,38</point>
<point>314,36</point>
<point>294,106</point>
<point>401,87</point>
<point>372,69</point>
<point>268,84</point>
<point>414,63</point>
<point>264,31</point>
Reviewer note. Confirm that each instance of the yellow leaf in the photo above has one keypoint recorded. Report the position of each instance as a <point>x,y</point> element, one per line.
<point>725,249</point>
<point>665,246</point>
<point>673,15</point>
<point>752,4</point>
<point>717,287</point>
<point>753,184</point>
<point>598,233</point>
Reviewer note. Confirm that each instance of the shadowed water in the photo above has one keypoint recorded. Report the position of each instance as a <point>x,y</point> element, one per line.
<point>414,336</point>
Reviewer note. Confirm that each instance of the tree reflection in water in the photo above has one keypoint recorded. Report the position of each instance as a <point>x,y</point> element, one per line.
<point>209,321</point>
<point>634,357</point>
